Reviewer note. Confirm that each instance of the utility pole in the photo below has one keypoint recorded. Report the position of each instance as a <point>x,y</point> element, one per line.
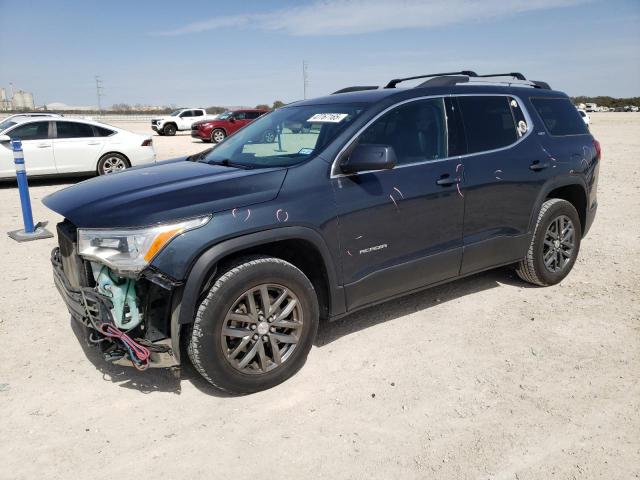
<point>99,92</point>
<point>305,78</point>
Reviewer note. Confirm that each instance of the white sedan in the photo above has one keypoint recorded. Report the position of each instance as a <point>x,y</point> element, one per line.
<point>63,146</point>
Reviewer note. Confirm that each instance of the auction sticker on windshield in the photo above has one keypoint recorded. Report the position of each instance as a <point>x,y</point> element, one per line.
<point>328,117</point>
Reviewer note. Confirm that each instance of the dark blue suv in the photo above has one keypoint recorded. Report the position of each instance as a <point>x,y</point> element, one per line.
<point>234,255</point>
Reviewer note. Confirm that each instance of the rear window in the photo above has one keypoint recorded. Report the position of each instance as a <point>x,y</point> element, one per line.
<point>73,130</point>
<point>559,116</point>
<point>488,122</point>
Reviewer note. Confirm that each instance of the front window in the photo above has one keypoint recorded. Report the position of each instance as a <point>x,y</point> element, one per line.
<point>417,131</point>
<point>30,131</point>
<point>284,137</point>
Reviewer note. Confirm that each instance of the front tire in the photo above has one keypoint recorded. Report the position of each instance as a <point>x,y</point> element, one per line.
<point>269,136</point>
<point>255,327</point>
<point>554,246</point>
<point>170,130</point>
<point>218,135</point>
<point>112,163</point>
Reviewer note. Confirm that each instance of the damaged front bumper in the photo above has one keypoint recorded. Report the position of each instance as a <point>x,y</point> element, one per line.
<point>90,308</point>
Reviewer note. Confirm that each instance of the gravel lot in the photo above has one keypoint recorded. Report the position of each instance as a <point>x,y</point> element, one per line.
<point>482,378</point>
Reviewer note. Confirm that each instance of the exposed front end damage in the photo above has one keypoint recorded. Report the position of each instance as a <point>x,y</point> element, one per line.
<point>129,319</point>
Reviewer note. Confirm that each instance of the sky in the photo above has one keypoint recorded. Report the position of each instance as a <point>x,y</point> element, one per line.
<point>219,52</point>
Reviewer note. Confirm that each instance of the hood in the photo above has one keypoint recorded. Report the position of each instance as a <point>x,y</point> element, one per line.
<point>163,192</point>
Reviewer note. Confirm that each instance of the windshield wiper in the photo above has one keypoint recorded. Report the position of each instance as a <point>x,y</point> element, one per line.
<point>228,163</point>
<point>196,157</point>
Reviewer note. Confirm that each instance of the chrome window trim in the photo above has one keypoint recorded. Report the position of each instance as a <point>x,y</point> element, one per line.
<point>335,173</point>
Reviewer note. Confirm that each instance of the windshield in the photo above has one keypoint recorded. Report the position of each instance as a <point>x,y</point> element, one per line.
<point>6,124</point>
<point>285,136</point>
<point>224,115</point>
<point>176,113</point>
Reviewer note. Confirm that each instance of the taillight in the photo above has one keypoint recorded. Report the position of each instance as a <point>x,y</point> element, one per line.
<point>148,142</point>
<point>596,144</point>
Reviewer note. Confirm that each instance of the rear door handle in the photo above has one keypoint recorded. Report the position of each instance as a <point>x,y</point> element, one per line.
<point>43,145</point>
<point>93,143</point>
<point>447,180</point>
<point>537,166</point>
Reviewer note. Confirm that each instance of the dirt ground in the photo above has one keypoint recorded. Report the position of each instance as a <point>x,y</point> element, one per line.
<point>485,378</point>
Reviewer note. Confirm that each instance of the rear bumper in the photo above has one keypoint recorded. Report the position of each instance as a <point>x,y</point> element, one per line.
<point>85,304</point>
<point>143,156</point>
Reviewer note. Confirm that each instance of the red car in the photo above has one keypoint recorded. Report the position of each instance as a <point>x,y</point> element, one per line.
<point>227,123</point>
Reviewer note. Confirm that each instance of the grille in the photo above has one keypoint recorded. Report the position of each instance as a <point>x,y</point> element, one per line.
<point>75,269</point>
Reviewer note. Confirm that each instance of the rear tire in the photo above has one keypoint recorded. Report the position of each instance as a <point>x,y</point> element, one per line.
<point>170,129</point>
<point>242,346</point>
<point>554,246</point>
<point>112,163</point>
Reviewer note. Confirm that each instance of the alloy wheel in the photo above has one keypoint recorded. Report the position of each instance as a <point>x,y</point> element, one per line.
<point>113,164</point>
<point>269,136</point>
<point>218,136</point>
<point>559,244</point>
<point>262,329</point>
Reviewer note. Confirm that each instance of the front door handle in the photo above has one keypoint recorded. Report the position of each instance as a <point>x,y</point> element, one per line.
<point>537,166</point>
<point>447,180</point>
<point>93,143</point>
<point>43,145</point>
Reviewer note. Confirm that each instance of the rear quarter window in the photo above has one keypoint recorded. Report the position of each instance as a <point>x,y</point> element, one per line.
<point>559,116</point>
<point>103,132</point>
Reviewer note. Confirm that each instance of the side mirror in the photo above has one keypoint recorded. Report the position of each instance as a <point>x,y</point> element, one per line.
<point>369,157</point>
<point>232,119</point>
<point>5,138</point>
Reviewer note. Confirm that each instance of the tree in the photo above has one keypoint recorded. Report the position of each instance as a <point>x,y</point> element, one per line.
<point>121,107</point>
<point>215,109</point>
<point>278,104</point>
<point>263,106</point>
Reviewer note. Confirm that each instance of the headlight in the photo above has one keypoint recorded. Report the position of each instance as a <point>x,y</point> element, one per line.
<point>130,250</point>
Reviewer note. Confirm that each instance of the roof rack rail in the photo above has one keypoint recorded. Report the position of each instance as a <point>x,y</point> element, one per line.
<point>517,75</point>
<point>395,81</point>
<point>518,79</point>
<point>356,88</point>
<point>444,81</point>
<point>541,84</point>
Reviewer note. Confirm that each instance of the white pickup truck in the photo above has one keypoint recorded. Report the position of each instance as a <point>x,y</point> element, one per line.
<point>179,120</point>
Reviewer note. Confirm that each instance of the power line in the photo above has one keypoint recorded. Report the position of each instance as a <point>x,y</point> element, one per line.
<point>305,78</point>
<point>99,92</point>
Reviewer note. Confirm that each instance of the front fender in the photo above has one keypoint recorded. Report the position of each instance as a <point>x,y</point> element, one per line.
<point>206,263</point>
